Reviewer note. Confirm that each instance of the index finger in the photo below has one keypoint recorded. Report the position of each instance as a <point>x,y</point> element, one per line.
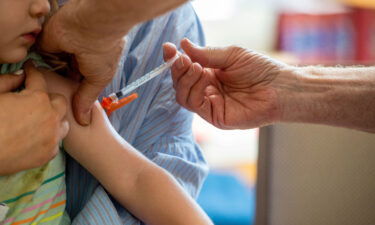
<point>34,78</point>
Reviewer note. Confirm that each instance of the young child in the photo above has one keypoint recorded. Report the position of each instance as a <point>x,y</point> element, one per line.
<point>38,195</point>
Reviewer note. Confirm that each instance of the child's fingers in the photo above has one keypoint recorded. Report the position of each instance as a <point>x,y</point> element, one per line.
<point>186,82</point>
<point>180,67</point>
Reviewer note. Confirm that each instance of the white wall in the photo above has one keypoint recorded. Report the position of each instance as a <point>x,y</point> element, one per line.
<point>320,175</point>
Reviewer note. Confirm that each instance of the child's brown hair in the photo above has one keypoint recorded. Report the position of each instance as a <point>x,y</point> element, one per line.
<point>54,6</point>
<point>56,61</point>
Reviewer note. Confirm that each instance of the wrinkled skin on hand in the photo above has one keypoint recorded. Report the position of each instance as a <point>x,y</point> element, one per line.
<point>96,42</point>
<point>231,88</point>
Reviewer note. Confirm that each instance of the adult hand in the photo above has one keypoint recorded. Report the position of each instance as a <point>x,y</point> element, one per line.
<point>96,42</point>
<point>32,123</point>
<point>229,87</point>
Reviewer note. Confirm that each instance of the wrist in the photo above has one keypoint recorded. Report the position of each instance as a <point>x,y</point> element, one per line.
<point>304,95</point>
<point>287,88</point>
<point>331,96</point>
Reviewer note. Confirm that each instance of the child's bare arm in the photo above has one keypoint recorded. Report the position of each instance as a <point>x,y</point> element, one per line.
<point>145,189</point>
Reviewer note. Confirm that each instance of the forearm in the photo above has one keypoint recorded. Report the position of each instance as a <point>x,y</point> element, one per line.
<point>166,201</point>
<point>143,188</point>
<point>342,97</point>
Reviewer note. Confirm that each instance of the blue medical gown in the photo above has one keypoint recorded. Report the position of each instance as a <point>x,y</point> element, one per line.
<point>154,123</point>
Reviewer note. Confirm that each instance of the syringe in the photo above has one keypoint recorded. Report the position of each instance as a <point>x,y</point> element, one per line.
<point>114,101</point>
<point>144,79</point>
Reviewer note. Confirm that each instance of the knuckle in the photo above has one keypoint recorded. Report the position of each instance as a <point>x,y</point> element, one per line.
<point>100,81</point>
<point>184,83</point>
<point>211,53</point>
<point>235,48</point>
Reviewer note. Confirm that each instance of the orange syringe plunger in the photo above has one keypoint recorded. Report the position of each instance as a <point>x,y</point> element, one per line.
<point>110,106</point>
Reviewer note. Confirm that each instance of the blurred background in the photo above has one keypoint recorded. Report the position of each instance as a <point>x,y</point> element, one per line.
<point>264,175</point>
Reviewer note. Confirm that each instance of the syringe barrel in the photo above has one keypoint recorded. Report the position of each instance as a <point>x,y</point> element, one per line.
<point>144,79</point>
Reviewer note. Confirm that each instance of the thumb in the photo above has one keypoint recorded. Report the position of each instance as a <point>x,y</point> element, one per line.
<point>207,56</point>
<point>10,82</point>
<point>84,99</point>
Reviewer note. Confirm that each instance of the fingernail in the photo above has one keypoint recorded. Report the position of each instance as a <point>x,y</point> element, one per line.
<point>18,72</point>
<point>86,118</point>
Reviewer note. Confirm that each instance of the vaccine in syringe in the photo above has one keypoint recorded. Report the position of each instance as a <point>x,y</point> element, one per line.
<point>119,99</point>
<point>144,79</point>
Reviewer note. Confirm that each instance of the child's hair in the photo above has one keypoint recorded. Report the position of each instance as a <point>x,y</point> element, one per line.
<point>58,62</point>
<point>54,6</point>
